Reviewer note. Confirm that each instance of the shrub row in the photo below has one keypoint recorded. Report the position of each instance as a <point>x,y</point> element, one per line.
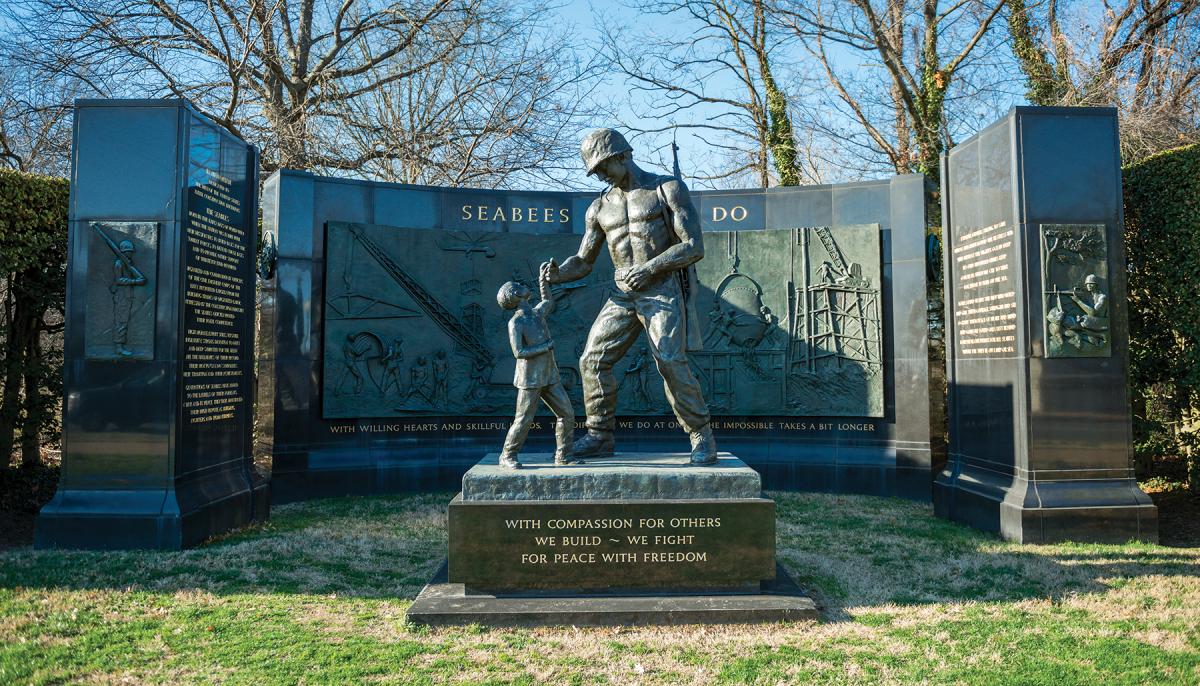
<point>33,248</point>
<point>1162,242</point>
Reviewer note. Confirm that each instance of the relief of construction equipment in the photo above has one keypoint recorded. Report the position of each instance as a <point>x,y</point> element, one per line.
<point>791,321</point>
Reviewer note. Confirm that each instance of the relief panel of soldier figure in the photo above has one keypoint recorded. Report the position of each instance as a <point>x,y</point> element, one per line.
<point>120,297</point>
<point>1074,298</point>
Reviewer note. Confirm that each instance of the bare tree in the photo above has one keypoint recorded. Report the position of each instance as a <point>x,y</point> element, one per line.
<point>281,74</point>
<point>914,52</point>
<point>503,109</point>
<point>35,121</point>
<point>1141,56</point>
<point>720,79</point>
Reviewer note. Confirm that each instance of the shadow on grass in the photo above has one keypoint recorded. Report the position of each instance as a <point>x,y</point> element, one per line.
<point>379,547</point>
<point>854,551</point>
<point>848,551</point>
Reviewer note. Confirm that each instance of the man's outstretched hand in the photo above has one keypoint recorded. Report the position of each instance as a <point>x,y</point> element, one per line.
<point>549,271</point>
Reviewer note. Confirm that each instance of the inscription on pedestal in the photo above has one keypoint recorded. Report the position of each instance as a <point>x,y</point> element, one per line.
<point>216,260</point>
<point>985,316</point>
<point>548,545</point>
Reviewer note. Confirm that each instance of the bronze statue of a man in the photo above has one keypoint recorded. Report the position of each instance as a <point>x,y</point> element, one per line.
<point>653,235</point>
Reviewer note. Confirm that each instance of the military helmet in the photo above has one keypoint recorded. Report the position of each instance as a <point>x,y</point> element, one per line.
<point>125,246</point>
<point>600,145</point>
<point>1091,278</point>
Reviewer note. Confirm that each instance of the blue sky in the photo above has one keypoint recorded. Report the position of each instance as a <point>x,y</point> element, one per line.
<point>575,18</point>
<point>968,115</point>
<point>578,18</point>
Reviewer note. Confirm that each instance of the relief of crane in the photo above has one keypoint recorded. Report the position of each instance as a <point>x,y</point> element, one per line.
<point>447,322</point>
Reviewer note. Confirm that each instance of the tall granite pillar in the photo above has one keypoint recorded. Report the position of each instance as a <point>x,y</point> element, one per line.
<point>1037,329</point>
<point>159,331</point>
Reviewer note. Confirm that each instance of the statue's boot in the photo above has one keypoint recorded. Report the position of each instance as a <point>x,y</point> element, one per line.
<point>564,429</point>
<point>509,461</point>
<point>704,447</point>
<point>594,444</point>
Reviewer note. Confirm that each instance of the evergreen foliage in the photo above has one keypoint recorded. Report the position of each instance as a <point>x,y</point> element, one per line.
<point>1162,241</point>
<point>1046,85</point>
<point>33,248</point>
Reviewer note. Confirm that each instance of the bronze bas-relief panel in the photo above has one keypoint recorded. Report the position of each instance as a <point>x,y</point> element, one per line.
<point>791,321</point>
<point>121,283</point>
<point>1075,290</point>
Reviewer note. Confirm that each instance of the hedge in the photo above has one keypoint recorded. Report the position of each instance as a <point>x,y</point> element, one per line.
<point>1162,240</point>
<point>33,242</point>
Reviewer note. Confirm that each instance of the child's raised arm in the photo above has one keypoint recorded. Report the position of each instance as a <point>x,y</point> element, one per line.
<point>546,306</point>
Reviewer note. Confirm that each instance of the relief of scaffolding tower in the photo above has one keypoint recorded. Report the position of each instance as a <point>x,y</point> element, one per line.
<point>838,312</point>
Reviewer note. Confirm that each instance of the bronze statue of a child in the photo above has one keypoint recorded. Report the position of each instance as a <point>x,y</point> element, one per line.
<point>536,374</point>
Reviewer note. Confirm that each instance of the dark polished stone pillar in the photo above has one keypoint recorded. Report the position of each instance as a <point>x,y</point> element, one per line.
<point>159,331</point>
<point>1037,332</point>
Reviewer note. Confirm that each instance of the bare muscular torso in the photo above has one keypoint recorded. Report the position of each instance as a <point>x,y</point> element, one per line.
<point>635,228</point>
<point>651,229</point>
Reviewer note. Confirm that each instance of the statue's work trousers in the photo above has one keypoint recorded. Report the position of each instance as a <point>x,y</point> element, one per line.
<point>555,397</point>
<point>659,311</point>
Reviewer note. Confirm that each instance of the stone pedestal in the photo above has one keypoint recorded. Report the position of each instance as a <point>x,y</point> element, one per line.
<point>1037,333</point>
<point>634,537</point>
<point>647,476</point>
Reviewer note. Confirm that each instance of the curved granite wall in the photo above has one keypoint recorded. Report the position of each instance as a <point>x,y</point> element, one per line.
<point>391,377</point>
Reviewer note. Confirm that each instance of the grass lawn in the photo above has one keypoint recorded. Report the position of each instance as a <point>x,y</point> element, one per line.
<point>318,595</point>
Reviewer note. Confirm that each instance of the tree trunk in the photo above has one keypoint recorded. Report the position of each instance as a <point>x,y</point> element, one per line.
<point>930,99</point>
<point>902,161</point>
<point>782,139</point>
<point>1040,76</point>
<point>762,156</point>
<point>10,400</point>
<point>35,409</point>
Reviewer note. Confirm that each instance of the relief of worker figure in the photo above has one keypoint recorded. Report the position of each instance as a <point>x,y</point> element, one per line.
<point>126,276</point>
<point>536,375</point>
<point>418,380</point>
<point>391,366</point>
<point>653,235</point>
<point>354,360</point>
<point>1093,323</point>
<point>635,375</point>
<point>441,379</point>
